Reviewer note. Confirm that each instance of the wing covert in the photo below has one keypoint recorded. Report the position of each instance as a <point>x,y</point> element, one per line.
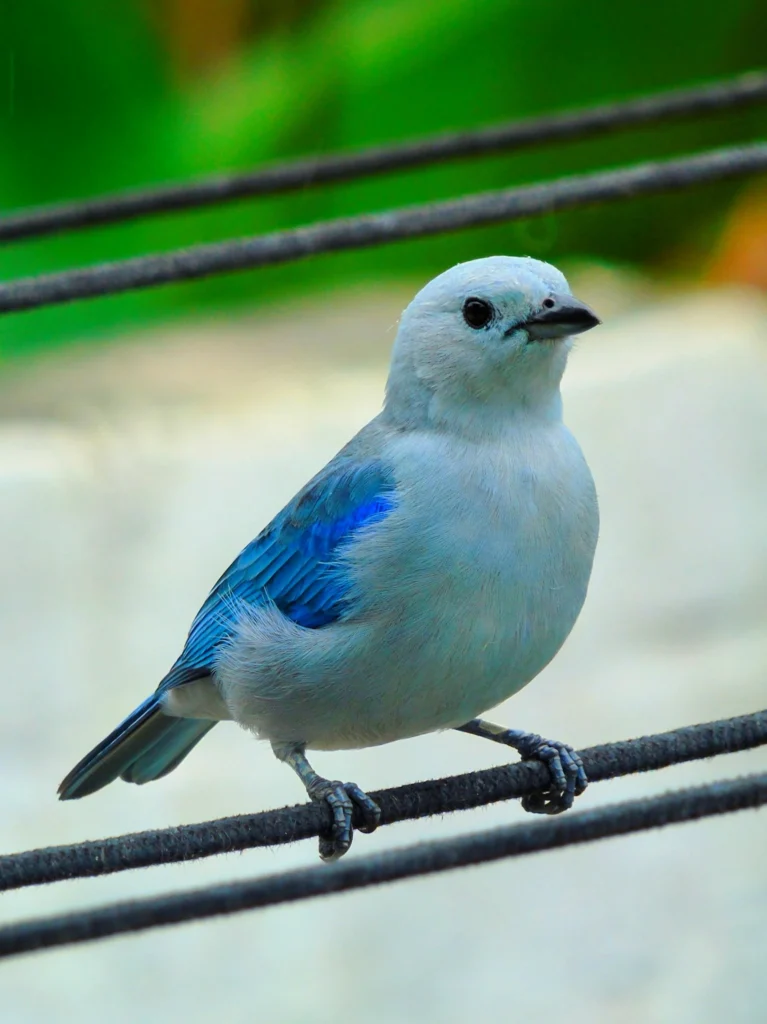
<point>291,562</point>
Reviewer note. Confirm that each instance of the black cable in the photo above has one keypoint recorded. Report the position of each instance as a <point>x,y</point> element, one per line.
<point>418,800</point>
<point>382,228</point>
<point>712,98</point>
<point>412,861</point>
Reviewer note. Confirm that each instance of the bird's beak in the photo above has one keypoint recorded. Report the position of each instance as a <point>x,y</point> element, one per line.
<point>567,316</point>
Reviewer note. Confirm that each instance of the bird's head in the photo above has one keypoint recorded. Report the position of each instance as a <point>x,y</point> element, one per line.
<point>486,336</point>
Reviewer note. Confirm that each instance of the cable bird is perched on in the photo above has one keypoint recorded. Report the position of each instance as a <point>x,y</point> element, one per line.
<point>427,573</point>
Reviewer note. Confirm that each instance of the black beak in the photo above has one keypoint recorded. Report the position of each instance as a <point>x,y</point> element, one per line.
<point>562,315</point>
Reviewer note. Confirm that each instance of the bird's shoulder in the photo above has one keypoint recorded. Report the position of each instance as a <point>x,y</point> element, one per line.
<point>358,482</point>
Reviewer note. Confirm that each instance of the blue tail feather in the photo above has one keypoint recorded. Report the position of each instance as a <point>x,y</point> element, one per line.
<point>145,746</point>
<point>167,752</point>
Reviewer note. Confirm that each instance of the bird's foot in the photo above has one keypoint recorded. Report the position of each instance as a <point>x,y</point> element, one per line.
<point>566,773</point>
<point>341,798</point>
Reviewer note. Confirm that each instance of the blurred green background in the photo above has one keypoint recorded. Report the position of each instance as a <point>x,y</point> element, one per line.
<point>97,95</point>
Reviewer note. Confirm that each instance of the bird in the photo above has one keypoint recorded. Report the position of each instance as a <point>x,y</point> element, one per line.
<point>432,569</point>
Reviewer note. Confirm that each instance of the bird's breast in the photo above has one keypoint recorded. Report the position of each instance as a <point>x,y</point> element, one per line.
<point>480,573</point>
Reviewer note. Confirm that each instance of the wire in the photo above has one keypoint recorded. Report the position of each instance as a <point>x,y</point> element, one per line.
<point>429,858</point>
<point>418,800</point>
<point>382,228</point>
<point>741,91</point>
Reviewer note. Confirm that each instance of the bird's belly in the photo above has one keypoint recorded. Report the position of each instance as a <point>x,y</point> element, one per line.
<point>467,633</point>
<point>464,646</point>
<point>446,652</point>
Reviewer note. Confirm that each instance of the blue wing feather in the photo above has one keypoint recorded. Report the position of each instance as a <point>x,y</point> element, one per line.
<point>293,561</point>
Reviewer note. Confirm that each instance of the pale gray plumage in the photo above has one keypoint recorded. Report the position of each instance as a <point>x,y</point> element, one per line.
<point>474,525</point>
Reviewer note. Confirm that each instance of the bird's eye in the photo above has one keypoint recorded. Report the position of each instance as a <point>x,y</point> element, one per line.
<point>477,313</point>
<point>549,303</point>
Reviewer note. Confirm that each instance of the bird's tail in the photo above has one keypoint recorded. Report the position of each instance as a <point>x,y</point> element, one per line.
<point>146,746</point>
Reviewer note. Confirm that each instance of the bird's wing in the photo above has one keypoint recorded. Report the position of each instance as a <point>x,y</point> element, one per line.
<point>293,561</point>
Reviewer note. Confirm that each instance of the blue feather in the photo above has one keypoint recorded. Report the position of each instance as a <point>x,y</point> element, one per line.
<point>144,746</point>
<point>294,562</point>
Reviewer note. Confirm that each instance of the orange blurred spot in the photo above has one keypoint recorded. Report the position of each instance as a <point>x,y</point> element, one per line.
<point>201,34</point>
<point>741,255</point>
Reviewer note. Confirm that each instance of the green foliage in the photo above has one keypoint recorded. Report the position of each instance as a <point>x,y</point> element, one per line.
<point>87,105</point>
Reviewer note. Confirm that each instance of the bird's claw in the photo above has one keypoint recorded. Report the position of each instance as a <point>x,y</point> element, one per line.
<point>341,798</point>
<point>566,772</point>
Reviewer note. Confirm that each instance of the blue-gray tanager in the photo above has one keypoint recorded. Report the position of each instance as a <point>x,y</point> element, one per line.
<point>427,573</point>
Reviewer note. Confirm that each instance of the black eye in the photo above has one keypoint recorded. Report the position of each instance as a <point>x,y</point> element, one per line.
<point>477,313</point>
<point>549,303</point>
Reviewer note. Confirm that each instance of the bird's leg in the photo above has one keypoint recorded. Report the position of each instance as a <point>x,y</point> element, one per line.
<point>341,798</point>
<point>568,777</point>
